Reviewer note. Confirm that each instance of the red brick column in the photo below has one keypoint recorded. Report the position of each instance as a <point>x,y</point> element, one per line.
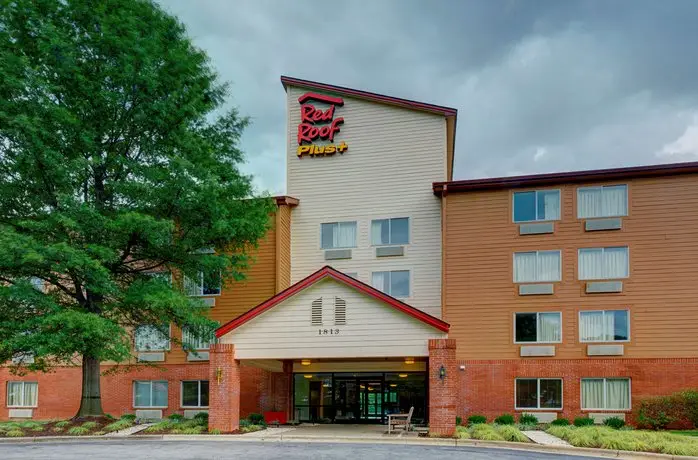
<point>224,389</point>
<point>284,399</point>
<point>443,389</point>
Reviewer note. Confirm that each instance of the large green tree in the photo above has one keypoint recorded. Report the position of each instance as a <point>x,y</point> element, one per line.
<point>117,159</point>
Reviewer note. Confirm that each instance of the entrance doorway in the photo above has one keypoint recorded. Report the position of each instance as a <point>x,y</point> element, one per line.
<point>358,397</point>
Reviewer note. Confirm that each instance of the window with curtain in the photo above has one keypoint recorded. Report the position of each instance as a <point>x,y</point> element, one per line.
<point>604,326</point>
<point>538,205</point>
<point>390,231</point>
<point>150,393</point>
<point>22,394</point>
<point>394,283</point>
<point>603,263</point>
<point>338,235</point>
<point>536,266</point>
<point>151,338</point>
<point>538,394</point>
<point>195,339</point>
<point>195,393</point>
<point>203,284</point>
<point>606,201</point>
<point>602,393</point>
<point>544,327</point>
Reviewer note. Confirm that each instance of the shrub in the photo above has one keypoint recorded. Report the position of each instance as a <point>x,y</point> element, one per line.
<point>256,419</point>
<point>160,427</point>
<point>485,432</point>
<point>462,432</point>
<point>57,429</point>
<point>679,411</point>
<point>175,417</point>
<point>109,416</point>
<point>244,423</point>
<point>583,421</point>
<point>475,419</point>
<point>560,422</point>
<point>131,417</point>
<point>679,448</point>
<point>459,421</point>
<point>511,433</point>
<point>62,423</point>
<point>201,416</point>
<point>614,422</point>
<point>37,428</point>
<point>15,433</point>
<point>78,431</point>
<point>192,430</point>
<point>29,424</point>
<point>90,425</point>
<point>118,425</point>
<point>215,431</point>
<point>505,419</point>
<point>561,432</point>
<point>528,419</point>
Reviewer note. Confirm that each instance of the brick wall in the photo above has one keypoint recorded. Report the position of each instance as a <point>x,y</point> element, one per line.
<point>486,387</point>
<point>443,390</point>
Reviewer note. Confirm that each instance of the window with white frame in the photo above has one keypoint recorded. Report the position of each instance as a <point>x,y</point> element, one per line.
<point>602,394</point>
<point>197,339</point>
<point>604,326</point>
<point>195,393</point>
<point>603,263</point>
<point>149,337</point>
<point>390,231</point>
<point>533,393</point>
<point>203,285</point>
<point>338,235</point>
<point>536,205</point>
<point>536,266</point>
<point>22,394</point>
<point>150,393</point>
<point>539,327</point>
<point>604,201</point>
<point>395,283</point>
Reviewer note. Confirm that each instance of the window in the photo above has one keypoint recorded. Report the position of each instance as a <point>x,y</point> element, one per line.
<point>22,394</point>
<point>203,285</point>
<point>606,201</point>
<point>606,394</point>
<point>151,338</point>
<point>604,326</point>
<point>201,341</point>
<point>395,283</point>
<point>538,393</point>
<point>536,205</point>
<point>150,393</point>
<point>195,393</point>
<point>603,263</point>
<point>338,235</point>
<point>538,327</point>
<point>163,276</point>
<point>536,266</point>
<point>390,231</point>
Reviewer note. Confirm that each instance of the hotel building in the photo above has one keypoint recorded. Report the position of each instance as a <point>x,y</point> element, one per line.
<point>385,285</point>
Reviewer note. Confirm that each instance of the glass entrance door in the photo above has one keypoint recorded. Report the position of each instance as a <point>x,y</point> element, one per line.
<point>371,401</point>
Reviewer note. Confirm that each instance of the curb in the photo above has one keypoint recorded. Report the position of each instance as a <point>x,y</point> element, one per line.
<point>505,445</point>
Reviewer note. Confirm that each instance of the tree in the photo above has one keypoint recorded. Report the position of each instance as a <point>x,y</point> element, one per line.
<point>117,159</point>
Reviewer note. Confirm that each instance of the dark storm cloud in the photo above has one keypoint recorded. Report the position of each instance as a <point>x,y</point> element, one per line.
<point>539,85</point>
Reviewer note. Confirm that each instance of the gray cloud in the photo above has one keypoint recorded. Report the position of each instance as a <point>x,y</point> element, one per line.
<point>540,86</point>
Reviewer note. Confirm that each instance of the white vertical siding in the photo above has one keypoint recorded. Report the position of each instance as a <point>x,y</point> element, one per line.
<point>394,156</point>
<point>373,329</point>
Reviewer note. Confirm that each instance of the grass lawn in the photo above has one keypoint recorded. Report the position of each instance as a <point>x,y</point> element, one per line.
<point>685,432</point>
<point>662,442</point>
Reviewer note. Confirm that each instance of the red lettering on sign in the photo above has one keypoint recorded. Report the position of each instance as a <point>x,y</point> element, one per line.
<point>308,131</point>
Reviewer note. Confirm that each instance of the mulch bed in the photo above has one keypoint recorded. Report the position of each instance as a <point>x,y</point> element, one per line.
<point>36,428</point>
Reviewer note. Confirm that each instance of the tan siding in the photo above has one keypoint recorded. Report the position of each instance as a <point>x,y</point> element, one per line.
<point>661,232</point>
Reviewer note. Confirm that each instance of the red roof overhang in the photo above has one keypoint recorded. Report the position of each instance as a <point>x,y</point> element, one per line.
<point>329,272</point>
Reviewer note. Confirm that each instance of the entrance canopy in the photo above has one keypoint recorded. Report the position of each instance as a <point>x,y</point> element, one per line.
<point>331,315</point>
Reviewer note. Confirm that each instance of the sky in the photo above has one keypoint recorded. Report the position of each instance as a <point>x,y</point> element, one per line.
<point>540,85</point>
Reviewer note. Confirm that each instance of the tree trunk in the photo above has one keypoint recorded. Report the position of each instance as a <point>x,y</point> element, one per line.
<point>91,401</point>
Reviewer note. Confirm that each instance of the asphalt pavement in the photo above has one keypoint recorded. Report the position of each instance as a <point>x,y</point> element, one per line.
<point>218,450</point>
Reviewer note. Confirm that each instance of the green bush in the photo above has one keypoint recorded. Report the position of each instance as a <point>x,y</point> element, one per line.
<point>511,433</point>
<point>462,432</point>
<point>99,433</point>
<point>62,423</point>
<point>485,432</point>
<point>676,411</point>
<point>58,429</point>
<point>201,417</point>
<point>528,419</point>
<point>90,425</point>
<point>505,419</point>
<point>459,421</point>
<point>475,419</point>
<point>131,417</point>
<point>109,416</point>
<point>29,424</point>
<point>175,417</point>
<point>583,421</point>
<point>165,425</point>
<point>15,433</point>
<point>256,419</point>
<point>78,431</point>
<point>118,425</point>
<point>614,422</point>
<point>560,422</point>
<point>244,423</point>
